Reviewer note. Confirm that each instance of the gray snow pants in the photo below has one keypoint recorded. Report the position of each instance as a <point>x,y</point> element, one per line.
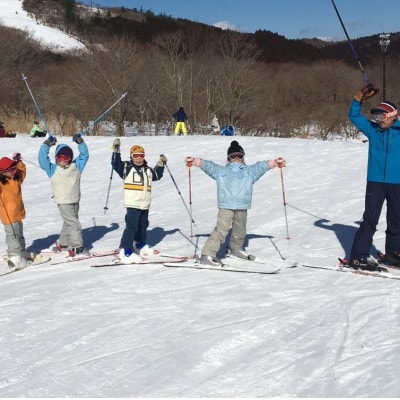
<point>237,219</point>
<point>15,238</point>
<point>71,232</point>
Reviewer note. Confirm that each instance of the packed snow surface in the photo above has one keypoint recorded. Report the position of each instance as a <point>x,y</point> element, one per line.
<point>69,330</point>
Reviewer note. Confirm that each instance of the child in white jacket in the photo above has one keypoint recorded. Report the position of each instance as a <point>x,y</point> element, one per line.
<point>65,178</point>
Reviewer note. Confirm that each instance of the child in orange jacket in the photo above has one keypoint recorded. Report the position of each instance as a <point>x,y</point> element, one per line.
<point>12,210</point>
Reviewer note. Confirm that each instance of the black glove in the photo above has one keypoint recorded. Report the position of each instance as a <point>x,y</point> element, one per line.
<point>17,157</point>
<point>77,138</point>
<point>50,141</point>
<point>366,92</point>
<point>116,145</point>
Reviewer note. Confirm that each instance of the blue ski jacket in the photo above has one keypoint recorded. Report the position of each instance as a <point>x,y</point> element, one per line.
<point>180,115</point>
<point>384,147</point>
<point>235,182</point>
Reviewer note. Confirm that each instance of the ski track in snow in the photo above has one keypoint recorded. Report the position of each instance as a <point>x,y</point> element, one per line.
<point>70,330</point>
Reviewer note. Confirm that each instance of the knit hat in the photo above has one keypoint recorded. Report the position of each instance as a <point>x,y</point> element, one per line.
<point>235,148</point>
<point>385,107</point>
<point>65,151</point>
<point>136,149</point>
<point>6,163</point>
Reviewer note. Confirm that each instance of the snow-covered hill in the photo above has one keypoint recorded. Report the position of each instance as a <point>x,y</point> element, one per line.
<point>12,15</point>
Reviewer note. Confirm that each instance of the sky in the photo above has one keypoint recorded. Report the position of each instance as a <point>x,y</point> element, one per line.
<point>148,331</point>
<point>294,19</point>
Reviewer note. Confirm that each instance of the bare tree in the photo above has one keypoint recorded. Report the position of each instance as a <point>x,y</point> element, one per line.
<point>105,75</point>
<point>237,55</point>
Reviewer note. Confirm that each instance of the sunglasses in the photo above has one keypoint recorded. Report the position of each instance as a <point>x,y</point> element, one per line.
<point>141,155</point>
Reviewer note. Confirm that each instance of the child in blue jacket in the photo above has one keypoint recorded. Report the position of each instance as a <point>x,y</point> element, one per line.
<point>235,183</point>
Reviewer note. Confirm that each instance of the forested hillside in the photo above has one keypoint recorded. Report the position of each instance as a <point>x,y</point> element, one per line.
<point>262,83</point>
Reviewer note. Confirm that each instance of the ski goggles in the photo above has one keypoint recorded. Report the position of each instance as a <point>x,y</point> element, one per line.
<point>62,158</point>
<point>383,116</point>
<point>235,156</point>
<point>12,170</point>
<point>140,155</point>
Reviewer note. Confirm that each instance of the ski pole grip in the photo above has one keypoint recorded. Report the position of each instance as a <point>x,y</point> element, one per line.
<point>189,161</point>
<point>279,161</point>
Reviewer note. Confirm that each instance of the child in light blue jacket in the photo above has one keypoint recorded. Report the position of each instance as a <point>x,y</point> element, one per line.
<point>65,178</point>
<point>235,183</point>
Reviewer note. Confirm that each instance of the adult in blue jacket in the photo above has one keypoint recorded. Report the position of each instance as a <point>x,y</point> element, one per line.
<point>383,179</point>
<point>235,183</point>
<point>65,177</point>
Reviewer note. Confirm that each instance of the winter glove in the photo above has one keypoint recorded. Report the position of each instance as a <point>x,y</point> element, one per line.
<point>77,138</point>
<point>50,141</point>
<point>366,92</point>
<point>189,161</point>
<point>116,145</point>
<point>162,160</point>
<point>17,157</point>
<point>279,162</point>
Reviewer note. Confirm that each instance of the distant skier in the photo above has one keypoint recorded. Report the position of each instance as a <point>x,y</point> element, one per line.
<point>181,120</point>
<point>215,127</point>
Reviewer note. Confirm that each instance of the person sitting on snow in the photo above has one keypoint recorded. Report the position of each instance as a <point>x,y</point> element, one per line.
<point>37,131</point>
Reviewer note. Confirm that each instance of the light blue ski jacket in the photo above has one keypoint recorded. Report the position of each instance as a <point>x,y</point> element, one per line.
<point>384,147</point>
<point>235,182</point>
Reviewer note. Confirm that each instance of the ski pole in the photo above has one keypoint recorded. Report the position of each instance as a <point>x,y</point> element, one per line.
<point>351,46</point>
<point>180,194</point>
<point>190,196</point>
<point>108,191</point>
<point>25,79</point>
<point>8,216</point>
<point>280,166</point>
<point>102,115</point>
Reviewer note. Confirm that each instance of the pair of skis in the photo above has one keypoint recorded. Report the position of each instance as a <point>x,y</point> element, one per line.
<point>385,270</point>
<point>233,264</point>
